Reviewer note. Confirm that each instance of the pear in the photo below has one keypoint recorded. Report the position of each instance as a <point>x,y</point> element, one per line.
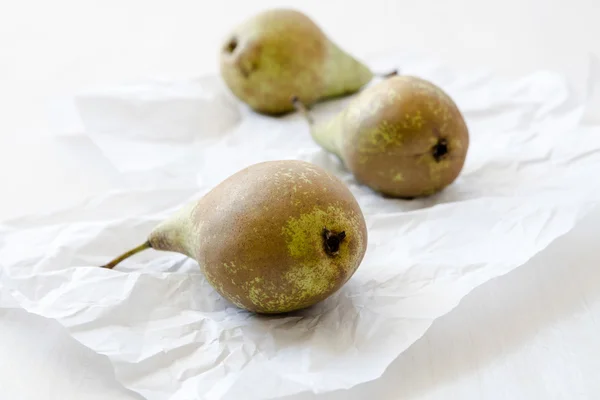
<point>277,236</point>
<point>403,137</point>
<point>280,53</point>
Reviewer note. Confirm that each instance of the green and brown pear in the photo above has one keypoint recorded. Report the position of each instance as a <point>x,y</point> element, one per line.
<point>281,53</point>
<point>277,236</point>
<point>403,137</point>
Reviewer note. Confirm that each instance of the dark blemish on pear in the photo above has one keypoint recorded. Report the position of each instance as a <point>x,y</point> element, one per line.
<point>247,70</point>
<point>440,150</point>
<point>231,45</point>
<point>332,241</point>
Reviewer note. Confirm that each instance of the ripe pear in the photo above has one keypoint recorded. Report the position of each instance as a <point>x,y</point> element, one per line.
<point>281,53</point>
<point>403,137</point>
<point>277,236</point>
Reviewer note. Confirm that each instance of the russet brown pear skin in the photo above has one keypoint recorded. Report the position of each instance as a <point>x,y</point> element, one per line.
<point>403,137</point>
<point>281,53</point>
<point>275,237</point>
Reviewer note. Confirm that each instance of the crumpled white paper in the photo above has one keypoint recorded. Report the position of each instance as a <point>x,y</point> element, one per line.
<point>530,176</point>
<point>39,359</point>
<point>160,121</point>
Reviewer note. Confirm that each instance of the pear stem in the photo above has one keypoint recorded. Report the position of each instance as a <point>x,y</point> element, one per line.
<point>303,110</point>
<point>142,247</point>
<point>389,74</point>
<point>318,132</point>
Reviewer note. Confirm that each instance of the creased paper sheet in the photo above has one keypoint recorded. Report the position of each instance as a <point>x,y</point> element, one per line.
<point>160,121</point>
<point>530,175</point>
<point>39,359</point>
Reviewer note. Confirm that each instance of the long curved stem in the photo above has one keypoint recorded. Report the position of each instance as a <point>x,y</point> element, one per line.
<point>128,254</point>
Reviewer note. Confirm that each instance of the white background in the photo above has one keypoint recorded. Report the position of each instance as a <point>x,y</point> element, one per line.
<point>532,334</point>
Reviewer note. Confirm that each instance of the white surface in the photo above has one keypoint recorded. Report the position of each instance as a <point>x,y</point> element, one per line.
<point>49,47</point>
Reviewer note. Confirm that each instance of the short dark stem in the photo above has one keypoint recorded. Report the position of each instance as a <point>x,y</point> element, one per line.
<point>389,74</point>
<point>332,241</point>
<point>302,109</point>
<point>130,253</point>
